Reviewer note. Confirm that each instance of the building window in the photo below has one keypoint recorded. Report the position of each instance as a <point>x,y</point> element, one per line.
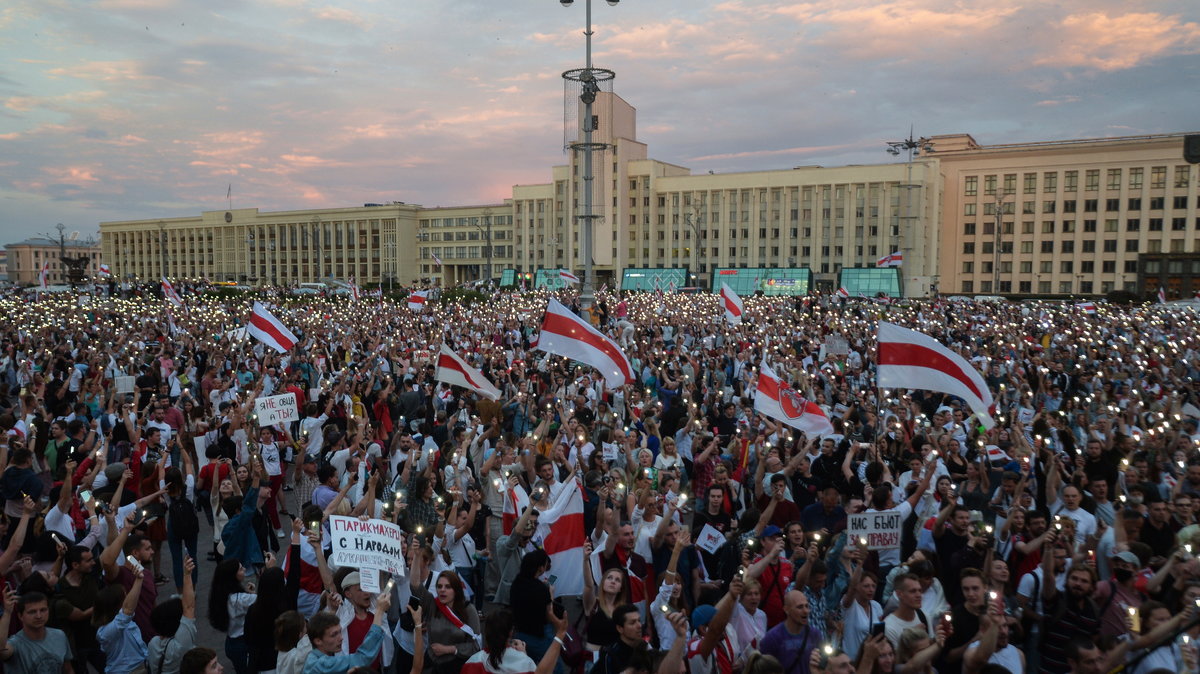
<point>969,228</point>
<point>1181,175</point>
<point>1049,182</point>
<point>968,209</point>
<point>1135,178</point>
<point>1069,206</point>
<point>1046,267</point>
<point>1066,267</point>
<point>1010,183</point>
<point>1070,181</point>
<point>1030,183</point>
<point>1108,267</point>
<point>1131,245</point>
<point>1068,247</point>
<point>968,286</point>
<point>1156,224</point>
<point>969,248</point>
<point>1027,227</point>
<point>971,186</point>
<point>1135,204</point>
<point>1091,205</point>
<point>1114,179</point>
<point>968,267</point>
<point>1026,267</point>
<point>1131,266</point>
<point>1048,206</point>
<point>1089,245</point>
<point>1092,180</point>
<point>1178,224</point>
<point>1112,204</point>
<point>1025,286</point>
<point>1026,247</point>
<point>1133,225</point>
<point>1047,227</point>
<point>1110,225</point>
<point>1179,202</point>
<point>1087,266</point>
<point>989,185</point>
<point>1110,245</point>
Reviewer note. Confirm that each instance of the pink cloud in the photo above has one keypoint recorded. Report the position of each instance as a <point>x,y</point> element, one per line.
<point>1104,42</point>
<point>72,174</point>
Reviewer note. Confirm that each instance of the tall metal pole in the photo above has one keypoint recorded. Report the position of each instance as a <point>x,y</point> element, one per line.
<point>488,217</point>
<point>589,78</point>
<point>913,147</point>
<point>996,241</point>
<point>162,246</point>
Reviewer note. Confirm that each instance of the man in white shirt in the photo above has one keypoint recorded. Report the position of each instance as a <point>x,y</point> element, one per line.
<point>1067,505</point>
<point>992,646</point>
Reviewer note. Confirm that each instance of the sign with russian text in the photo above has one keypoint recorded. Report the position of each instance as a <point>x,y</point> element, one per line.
<point>367,544</point>
<point>882,529</point>
<point>279,409</point>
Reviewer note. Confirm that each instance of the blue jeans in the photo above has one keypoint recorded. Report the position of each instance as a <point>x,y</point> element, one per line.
<point>536,647</point>
<point>176,545</point>
<point>238,653</point>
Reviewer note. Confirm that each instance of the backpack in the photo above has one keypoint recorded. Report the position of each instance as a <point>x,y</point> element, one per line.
<point>181,515</point>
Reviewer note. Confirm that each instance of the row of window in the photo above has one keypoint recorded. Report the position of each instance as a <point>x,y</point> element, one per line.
<point>1089,205</point>
<point>1089,226</point>
<point>1134,178</point>
<point>1047,267</point>
<point>1068,247</point>
<point>1046,287</point>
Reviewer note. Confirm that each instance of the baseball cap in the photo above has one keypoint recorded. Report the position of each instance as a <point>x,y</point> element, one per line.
<point>1128,557</point>
<point>703,615</point>
<point>771,530</point>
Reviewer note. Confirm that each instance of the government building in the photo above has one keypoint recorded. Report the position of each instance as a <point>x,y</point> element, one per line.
<point>1053,218</point>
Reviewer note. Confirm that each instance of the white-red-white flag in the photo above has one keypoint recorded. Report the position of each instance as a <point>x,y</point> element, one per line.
<point>894,260</point>
<point>454,370</point>
<point>843,293</point>
<point>777,400</point>
<point>995,454</point>
<point>1162,296</point>
<point>912,360</point>
<point>515,502</point>
<point>417,299</point>
<point>567,276</point>
<point>44,276</point>
<point>267,329</point>
<point>1088,308</point>
<point>354,293</point>
<point>732,304</point>
<point>170,294</point>
<point>561,532</point>
<point>565,334</point>
<point>437,260</point>
<point>105,270</point>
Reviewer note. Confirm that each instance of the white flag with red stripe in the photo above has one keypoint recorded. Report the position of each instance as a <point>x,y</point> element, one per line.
<point>170,294</point>
<point>454,370</point>
<point>732,304</point>
<point>515,501</point>
<point>994,454</point>
<point>354,293</point>
<point>565,334</point>
<point>417,299</point>
<point>44,276</point>
<point>105,270</point>
<point>1162,296</point>
<point>560,529</point>
<point>437,260</point>
<point>267,329</point>
<point>512,662</point>
<point>567,276</point>
<point>777,400</point>
<point>843,293</point>
<point>1088,308</point>
<point>894,260</point>
<point>909,359</point>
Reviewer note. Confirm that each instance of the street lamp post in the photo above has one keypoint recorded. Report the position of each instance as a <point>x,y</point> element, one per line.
<point>486,230</point>
<point>692,220</point>
<point>589,79</point>
<point>913,147</point>
<point>316,224</point>
<point>162,246</point>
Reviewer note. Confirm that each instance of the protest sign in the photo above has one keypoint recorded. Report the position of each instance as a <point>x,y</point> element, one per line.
<point>368,581</point>
<point>710,540</point>
<point>124,384</point>
<point>277,410</point>
<point>837,345</point>
<point>881,529</point>
<point>367,544</point>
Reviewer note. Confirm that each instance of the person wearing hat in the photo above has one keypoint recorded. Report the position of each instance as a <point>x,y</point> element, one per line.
<point>1114,596</point>
<point>712,649</point>
<point>329,653</point>
<point>357,617</point>
<point>773,574</point>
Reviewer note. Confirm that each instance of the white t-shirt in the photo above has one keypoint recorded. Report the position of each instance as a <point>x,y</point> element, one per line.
<point>1008,657</point>
<point>1085,522</point>
<point>857,625</point>
<point>1033,581</point>
<point>270,457</point>
<point>892,557</point>
<point>894,627</point>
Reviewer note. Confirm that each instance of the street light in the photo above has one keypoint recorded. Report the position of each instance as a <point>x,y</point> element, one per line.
<point>1000,195</point>
<point>692,220</point>
<point>316,225</point>
<point>913,147</point>
<point>487,233</point>
<point>590,79</point>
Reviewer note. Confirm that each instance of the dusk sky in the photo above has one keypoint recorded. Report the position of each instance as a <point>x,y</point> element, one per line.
<point>120,109</point>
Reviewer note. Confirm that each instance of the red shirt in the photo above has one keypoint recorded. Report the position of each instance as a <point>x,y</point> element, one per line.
<point>774,580</point>
<point>206,475</point>
<point>356,632</point>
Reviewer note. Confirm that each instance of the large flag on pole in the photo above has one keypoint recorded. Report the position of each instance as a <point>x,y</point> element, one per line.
<point>44,276</point>
<point>732,305</point>
<point>169,293</point>
<point>910,359</point>
<point>354,293</point>
<point>567,276</point>
<point>105,270</point>
<point>894,260</point>
<point>1162,296</point>
<point>777,400</point>
<point>417,299</point>
<point>565,334</point>
<point>268,330</point>
<point>454,370</point>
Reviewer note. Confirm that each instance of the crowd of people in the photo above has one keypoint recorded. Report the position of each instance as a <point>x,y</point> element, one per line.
<point>715,539</point>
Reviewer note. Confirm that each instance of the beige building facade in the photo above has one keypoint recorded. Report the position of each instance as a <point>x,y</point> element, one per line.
<point>1064,217</point>
<point>1073,216</point>
<point>24,260</point>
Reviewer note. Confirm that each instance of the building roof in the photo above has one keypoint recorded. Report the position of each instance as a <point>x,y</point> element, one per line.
<point>42,242</point>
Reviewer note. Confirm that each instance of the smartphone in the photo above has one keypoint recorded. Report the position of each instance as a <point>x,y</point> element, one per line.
<point>133,562</point>
<point>552,579</point>
<point>877,629</point>
<point>85,495</point>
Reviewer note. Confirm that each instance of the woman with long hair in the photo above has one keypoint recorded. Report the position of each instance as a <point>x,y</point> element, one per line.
<point>876,656</point>
<point>453,623</point>
<point>119,636</point>
<point>600,602</point>
<point>277,594</point>
<point>531,598</point>
<point>229,600</point>
<point>759,663</point>
<point>502,654</point>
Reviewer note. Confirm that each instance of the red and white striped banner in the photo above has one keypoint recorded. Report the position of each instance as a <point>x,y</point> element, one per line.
<point>912,360</point>
<point>267,329</point>
<point>417,299</point>
<point>779,401</point>
<point>565,334</point>
<point>732,304</point>
<point>454,370</point>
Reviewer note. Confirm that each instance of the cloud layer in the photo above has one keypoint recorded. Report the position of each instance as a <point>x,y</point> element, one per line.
<point>119,109</point>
